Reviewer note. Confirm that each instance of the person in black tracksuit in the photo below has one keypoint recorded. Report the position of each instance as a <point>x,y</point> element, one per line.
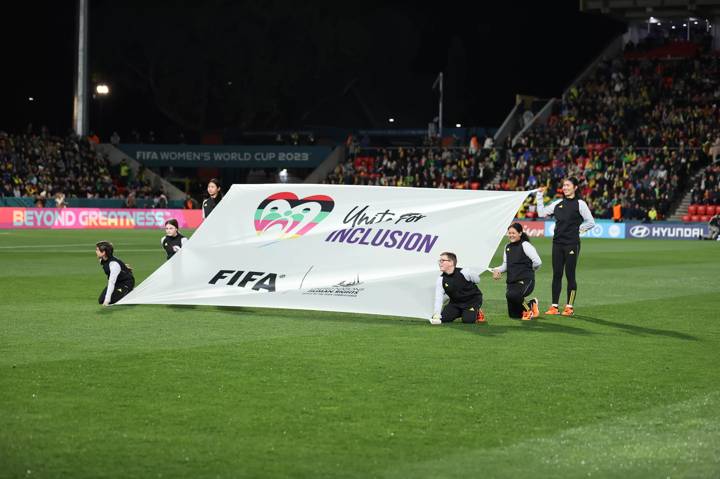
<point>120,278</point>
<point>520,260</point>
<point>572,217</point>
<point>173,240</point>
<point>214,190</point>
<point>460,285</point>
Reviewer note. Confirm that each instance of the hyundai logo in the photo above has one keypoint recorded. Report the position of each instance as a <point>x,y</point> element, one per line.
<point>640,231</point>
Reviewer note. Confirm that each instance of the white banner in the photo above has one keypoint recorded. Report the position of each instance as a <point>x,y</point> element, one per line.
<point>360,249</point>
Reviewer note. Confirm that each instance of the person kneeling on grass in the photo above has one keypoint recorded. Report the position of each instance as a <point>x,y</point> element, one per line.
<point>520,260</point>
<point>460,285</point>
<point>173,240</point>
<point>120,278</point>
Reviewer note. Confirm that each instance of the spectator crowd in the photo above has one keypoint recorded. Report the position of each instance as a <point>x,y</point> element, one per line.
<point>634,132</point>
<point>47,168</point>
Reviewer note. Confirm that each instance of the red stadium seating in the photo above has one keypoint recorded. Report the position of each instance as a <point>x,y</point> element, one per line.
<point>705,218</point>
<point>692,210</point>
<point>695,218</point>
<point>475,185</point>
<point>712,210</point>
<point>686,219</point>
<point>701,210</point>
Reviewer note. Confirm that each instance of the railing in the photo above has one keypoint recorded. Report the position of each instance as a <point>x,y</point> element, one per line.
<point>29,202</point>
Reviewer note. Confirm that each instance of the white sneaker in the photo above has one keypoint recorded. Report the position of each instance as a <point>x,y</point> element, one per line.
<point>435,321</point>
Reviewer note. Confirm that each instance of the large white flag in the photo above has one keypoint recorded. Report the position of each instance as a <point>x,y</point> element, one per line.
<point>360,249</point>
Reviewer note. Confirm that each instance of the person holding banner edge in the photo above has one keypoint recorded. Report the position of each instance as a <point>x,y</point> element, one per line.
<point>572,217</point>
<point>215,195</point>
<point>173,240</point>
<point>120,278</point>
<point>520,261</point>
<point>460,285</point>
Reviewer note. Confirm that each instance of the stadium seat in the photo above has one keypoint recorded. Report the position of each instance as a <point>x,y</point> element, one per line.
<point>530,215</point>
<point>705,218</point>
<point>686,219</point>
<point>695,218</point>
<point>692,210</point>
<point>712,210</point>
<point>701,210</point>
<point>475,185</point>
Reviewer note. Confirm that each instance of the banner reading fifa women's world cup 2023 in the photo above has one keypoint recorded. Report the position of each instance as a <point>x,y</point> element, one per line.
<point>360,249</point>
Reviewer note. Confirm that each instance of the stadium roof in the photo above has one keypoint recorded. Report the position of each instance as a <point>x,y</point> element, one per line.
<point>635,9</point>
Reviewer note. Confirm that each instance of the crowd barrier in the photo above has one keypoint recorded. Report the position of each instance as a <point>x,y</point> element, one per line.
<point>95,218</point>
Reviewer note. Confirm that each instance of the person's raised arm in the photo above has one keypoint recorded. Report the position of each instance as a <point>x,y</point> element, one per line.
<point>542,209</point>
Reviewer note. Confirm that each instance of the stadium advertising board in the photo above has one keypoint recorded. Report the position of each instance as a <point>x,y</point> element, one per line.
<point>666,230</point>
<point>362,249</point>
<point>602,229</point>
<point>534,229</point>
<point>234,156</point>
<point>87,218</point>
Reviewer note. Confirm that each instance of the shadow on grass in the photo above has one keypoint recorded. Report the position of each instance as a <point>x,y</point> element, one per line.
<point>517,326</point>
<point>639,330</point>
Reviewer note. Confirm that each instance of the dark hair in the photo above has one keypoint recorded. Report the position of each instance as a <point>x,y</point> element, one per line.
<point>172,221</point>
<point>219,187</point>
<point>518,227</point>
<point>105,247</point>
<point>451,257</point>
<point>572,180</point>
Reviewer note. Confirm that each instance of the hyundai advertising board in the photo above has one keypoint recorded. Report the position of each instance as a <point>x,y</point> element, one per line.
<point>666,230</point>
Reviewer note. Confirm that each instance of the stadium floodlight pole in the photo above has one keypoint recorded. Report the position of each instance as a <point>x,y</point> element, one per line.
<point>80,101</point>
<point>439,85</point>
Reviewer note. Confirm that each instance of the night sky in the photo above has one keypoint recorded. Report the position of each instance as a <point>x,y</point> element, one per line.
<point>279,65</point>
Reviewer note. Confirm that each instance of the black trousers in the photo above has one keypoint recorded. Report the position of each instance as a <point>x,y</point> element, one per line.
<point>564,257</point>
<point>516,294</point>
<point>120,292</point>
<point>467,311</point>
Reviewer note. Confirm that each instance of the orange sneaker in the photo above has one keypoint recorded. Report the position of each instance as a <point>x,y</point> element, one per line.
<point>535,308</point>
<point>527,315</point>
<point>568,311</point>
<point>552,310</point>
<point>480,317</point>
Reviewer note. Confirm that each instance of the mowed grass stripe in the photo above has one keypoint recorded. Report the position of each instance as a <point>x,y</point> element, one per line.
<point>247,392</point>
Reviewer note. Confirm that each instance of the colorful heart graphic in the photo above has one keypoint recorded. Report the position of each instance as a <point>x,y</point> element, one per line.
<point>289,216</point>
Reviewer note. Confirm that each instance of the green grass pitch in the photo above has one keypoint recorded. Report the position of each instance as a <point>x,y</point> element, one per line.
<point>630,387</point>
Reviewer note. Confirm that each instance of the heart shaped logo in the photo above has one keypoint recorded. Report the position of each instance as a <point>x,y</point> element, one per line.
<point>287,216</point>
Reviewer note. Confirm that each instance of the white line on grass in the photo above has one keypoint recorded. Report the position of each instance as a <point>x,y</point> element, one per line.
<point>89,245</point>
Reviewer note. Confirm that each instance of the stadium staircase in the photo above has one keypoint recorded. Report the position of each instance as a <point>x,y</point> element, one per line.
<point>157,182</point>
<point>319,174</point>
<point>684,205</point>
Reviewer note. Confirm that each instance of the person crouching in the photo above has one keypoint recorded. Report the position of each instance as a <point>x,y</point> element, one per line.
<point>120,278</point>
<point>460,285</point>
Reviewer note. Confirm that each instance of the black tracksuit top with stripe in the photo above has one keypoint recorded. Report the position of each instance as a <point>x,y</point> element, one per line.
<point>519,266</point>
<point>169,243</point>
<point>459,289</point>
<point>567,222</point>
<point>124,278</point>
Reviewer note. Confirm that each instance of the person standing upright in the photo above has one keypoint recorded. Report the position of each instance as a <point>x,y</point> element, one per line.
<point>572,217</point>
<point>215,195</point>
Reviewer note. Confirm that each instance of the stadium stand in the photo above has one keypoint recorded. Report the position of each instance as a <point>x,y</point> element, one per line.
<point>705,193</point>
<point>634,132</point>
<point>430,167</point>
<point>48,168</point>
